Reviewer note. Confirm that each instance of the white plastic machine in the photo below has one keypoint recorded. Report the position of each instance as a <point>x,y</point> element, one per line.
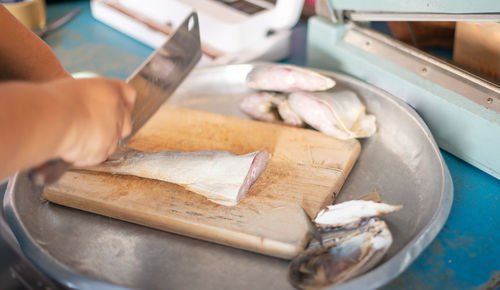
<point>232,31</point>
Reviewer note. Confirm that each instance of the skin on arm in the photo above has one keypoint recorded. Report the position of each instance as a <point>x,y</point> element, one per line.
<point>80,121</point>
<point>46,114</point>
<point>23,55</point>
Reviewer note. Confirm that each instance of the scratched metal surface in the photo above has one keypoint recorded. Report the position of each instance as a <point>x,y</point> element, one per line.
<point>464,254</point>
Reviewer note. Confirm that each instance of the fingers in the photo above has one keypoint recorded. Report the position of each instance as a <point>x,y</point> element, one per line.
<point>123,123</point>
<point>126,128</point>
<point>129,95</point>
<point>111,149</point>
<point>101,119</point>
<point>124,108</point>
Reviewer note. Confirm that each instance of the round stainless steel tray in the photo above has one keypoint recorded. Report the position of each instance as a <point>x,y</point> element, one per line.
<point>89,251</point>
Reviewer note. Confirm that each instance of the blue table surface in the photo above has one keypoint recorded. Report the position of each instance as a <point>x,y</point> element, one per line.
<point>465,254</point>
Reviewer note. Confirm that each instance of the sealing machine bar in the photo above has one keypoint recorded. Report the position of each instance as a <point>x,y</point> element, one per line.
<point>461,109</point>
<point>339,11</point>
<point>395,16</point>
<point>425,65</point>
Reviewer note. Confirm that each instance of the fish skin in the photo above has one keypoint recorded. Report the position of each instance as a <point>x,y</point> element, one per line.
<point>353,241</point>
<point>271,108</point>
<point>259,106</point>
<point>287,78</point>
<point>351,213</point>
<point>288,116</point>
<point>347,253</point>
<point>338,114</point>
<point>221,176</point>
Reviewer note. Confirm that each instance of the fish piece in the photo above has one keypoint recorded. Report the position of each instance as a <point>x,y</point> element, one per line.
<point>269,107</point>
<point>351,213</point>
<point>221,176</point>
<point>259,106</point>
<point>346,253</point>
<point>287,115</point>
<point>287,78</point>
<point>341,114</point>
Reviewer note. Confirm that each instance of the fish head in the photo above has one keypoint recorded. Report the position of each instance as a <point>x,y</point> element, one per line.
<point>346,253</point>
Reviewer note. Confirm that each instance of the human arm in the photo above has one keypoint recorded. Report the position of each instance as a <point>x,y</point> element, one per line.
<point>23,55</point>
<point>80,121</point>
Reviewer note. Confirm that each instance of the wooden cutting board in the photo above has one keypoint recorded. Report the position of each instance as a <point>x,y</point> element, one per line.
<point>307,169</point>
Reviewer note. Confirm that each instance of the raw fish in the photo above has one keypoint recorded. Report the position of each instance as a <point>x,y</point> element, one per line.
<point>223,177</point>
<point>352,240</point>
<point>287,115</point>
<point>346,253</point>
<point>269,107</point>
<point>287,78</point>
<point>340,114</point>
<point>351,213</point>
<point>260,107</point>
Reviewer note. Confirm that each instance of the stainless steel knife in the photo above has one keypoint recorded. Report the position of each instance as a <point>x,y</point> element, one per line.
<point>155,81</point>
<point>55,24</point>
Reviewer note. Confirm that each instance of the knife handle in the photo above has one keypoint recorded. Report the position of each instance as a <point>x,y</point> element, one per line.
<point>49,172</point>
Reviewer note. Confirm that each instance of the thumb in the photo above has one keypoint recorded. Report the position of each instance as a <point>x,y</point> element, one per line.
<point>127,125</point>
<point>128,94</point>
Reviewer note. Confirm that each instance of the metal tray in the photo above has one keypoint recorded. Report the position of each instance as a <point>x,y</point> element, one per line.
<point>89,251</point>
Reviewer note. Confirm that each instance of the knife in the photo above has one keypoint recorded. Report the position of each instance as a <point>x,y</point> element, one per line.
<point>55,24</point>
<point>155,81</point>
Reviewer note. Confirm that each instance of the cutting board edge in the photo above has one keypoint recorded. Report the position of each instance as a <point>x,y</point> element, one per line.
<point>231,135</point>
<point>208,233</point>
<point>345,174</point>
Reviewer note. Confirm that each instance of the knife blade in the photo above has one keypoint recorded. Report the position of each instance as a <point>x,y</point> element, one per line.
<point>155,81</point>
<point>55,24</point>
<point>157,78</point>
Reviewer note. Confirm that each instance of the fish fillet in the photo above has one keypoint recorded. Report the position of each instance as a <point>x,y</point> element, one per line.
<point>338,114</point>
<point>269,107</point>
<point>221,176</point>
<point>287,78</point>
<point>351,213</point>
<point>259,106</point>
<point>288,116</point>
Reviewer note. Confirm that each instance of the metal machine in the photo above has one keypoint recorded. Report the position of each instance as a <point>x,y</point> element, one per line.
<point>461,109</point>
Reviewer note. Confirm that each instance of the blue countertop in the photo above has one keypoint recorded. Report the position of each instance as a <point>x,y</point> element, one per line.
<point>465,254</point>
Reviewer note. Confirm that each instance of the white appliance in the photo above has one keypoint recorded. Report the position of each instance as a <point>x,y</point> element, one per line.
<point>232,31</point>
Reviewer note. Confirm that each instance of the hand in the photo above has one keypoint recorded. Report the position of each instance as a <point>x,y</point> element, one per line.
<point>99,117</point>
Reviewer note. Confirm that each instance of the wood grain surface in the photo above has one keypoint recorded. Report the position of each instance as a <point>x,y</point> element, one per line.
<point>307,170</point>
